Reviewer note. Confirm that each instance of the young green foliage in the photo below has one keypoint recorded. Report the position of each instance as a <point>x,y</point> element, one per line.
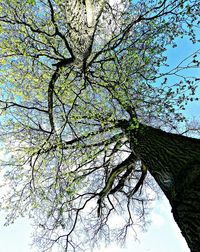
<point>73,97</point>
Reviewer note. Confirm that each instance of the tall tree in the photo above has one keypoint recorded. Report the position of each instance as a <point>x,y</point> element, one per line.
<point>84,110</point>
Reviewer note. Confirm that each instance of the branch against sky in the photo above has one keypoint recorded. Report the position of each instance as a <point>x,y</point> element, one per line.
<point>73,86</point>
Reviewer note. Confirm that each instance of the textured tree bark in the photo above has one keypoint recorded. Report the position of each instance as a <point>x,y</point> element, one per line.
<point>81,20</point>
<point>174,162</point>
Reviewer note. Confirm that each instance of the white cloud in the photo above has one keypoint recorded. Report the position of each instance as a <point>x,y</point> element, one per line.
<point>157,220</point>
<point>111,248</point>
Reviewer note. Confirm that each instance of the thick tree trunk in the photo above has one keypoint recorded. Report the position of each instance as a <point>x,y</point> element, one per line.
<point>174,162</point>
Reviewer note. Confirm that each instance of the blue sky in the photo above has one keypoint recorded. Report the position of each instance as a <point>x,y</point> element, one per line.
<point>184,49</point>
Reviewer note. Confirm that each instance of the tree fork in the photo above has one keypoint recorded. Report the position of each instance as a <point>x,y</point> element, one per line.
<point>174,162</point>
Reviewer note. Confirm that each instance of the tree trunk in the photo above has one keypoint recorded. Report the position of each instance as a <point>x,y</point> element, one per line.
<point>174,161</point>
<point>81,20</point>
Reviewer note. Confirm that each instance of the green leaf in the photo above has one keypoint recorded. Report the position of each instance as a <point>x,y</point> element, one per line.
<point>32,2</point>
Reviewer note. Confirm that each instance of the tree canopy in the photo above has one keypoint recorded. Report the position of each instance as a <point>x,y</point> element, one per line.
<point>79,80</point>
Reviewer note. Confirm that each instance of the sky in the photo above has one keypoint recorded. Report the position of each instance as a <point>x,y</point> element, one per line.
<point>162,235</point>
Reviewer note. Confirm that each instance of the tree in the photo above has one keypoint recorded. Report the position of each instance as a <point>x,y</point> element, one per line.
<point>84,104</point>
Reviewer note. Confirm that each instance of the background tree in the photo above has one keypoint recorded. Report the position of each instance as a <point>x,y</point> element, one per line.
<point>82,100</point>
